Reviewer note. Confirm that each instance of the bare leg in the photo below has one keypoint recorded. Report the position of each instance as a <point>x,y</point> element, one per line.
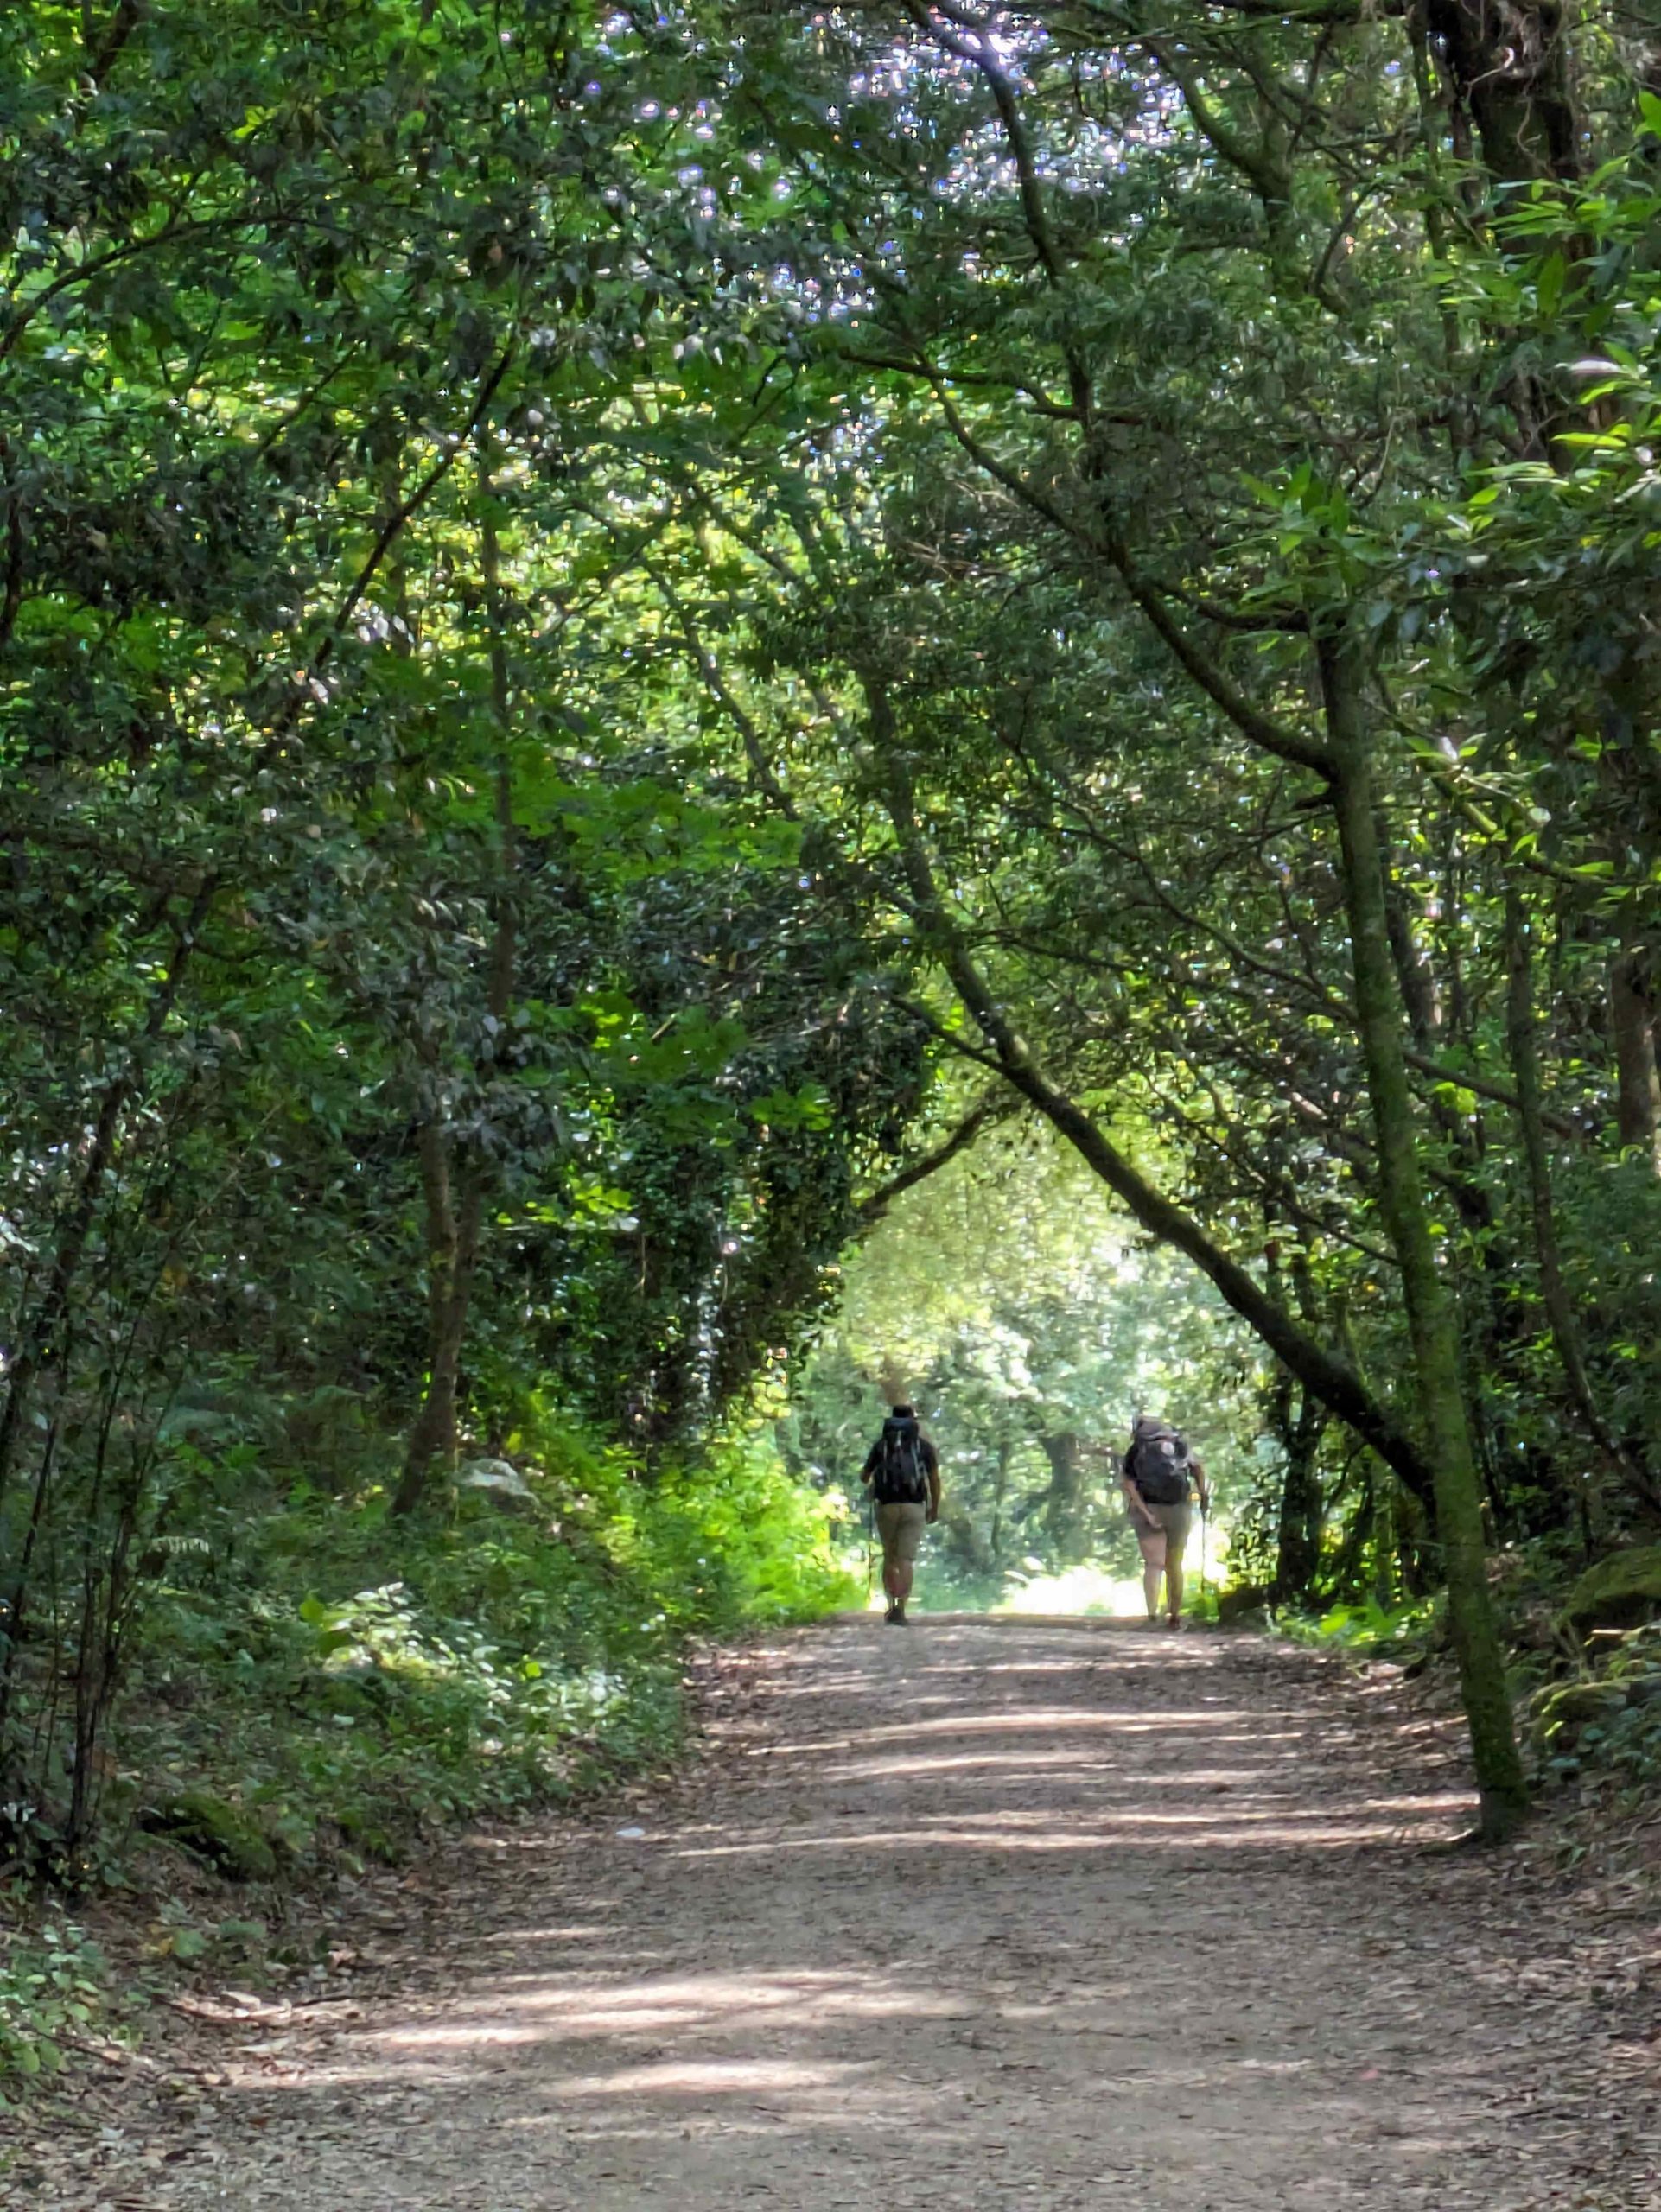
<point>896,1581</point>
<point>1153,1566</point>
<point>1173,1581</point>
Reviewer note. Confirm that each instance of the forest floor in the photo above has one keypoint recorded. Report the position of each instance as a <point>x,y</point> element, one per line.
<point>983,1915</point>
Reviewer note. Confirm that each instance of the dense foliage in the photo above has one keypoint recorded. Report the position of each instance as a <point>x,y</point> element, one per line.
<point>1235,576</point>
<point>1005,1298</point>
<point>408,1011</point>
<point>625,631</point>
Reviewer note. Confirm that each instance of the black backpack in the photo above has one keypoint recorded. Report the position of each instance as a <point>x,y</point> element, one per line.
<point>1159,1467</point>
<point>900,1477</point>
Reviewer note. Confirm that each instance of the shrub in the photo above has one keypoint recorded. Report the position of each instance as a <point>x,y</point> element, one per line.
<point>50,1987</point>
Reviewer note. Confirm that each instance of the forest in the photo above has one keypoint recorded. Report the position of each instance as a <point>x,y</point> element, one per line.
<point>711,711</point>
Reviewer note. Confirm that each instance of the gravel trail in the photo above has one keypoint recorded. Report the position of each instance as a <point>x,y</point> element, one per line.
<point>984,1914</point>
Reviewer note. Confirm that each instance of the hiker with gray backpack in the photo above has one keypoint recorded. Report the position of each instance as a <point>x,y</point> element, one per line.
<point>1161,1478</point>
<point>902,1472</point>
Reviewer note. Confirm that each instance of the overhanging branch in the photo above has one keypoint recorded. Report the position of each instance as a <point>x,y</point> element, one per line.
<point>872,1208</point>
<point>1332,1379</point>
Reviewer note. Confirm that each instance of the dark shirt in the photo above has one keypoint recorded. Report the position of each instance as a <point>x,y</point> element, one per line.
<point>873,1458</point>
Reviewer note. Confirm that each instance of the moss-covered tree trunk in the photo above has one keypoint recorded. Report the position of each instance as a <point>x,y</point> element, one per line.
<point>1638,1082</point>
<point>454,1230</point>
<point>1431,1322</point>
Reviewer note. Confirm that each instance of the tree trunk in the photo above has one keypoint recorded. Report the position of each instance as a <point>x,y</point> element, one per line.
<point>1507,62</point>
<point>1297,1553</point>
<point>1006,1454</point>
<point>456,1216</point>
<point>1502,1792</point>
<point>1063,1508</point>
<point>453,1232</point>
<point>1364,1522</point>
<point>962,1536</point>
<point>1298,1521</point>
<point>1632,1017</point>
<point>892,1381</point>
<point>1554,1291</point>
<point>1409,1543</point>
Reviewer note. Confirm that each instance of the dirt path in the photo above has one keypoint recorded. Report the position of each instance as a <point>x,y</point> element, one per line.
<point>978,1915</point>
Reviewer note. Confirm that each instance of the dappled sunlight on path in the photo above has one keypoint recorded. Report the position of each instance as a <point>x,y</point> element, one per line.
<point>981,1915</point>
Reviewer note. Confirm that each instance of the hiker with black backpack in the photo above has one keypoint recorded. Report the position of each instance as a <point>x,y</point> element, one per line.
<point>1160,1476</point>
<point>902,1471</point>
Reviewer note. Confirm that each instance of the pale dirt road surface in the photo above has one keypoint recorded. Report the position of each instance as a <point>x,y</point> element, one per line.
<point>1024,1916</point>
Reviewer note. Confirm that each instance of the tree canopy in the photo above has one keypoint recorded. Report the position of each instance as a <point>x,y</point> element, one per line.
<point>636,639</point>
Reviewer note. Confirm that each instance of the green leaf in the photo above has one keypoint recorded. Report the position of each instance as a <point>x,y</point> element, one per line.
<point>1548,285</point>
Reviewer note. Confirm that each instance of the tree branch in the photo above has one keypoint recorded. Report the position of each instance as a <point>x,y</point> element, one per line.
<point>871,1209</point>
<point>1332,1379</point>
<point>1261,729</point>
<point>122,25</point>
<point>977,49</point>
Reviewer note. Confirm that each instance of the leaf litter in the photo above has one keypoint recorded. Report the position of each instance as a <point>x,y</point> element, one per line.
<point>960,1918</point>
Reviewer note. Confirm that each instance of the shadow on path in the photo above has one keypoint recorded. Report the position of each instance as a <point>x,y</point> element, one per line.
<point>981,1914</point>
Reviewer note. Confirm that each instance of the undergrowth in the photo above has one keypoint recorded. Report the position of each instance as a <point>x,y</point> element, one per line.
<point>1366,1630</point>
<point>347,1679</point>
<point>320,1684</point>
<point>1589,1710</point>
<point>1600,1732</point>
<point>52,1985</point>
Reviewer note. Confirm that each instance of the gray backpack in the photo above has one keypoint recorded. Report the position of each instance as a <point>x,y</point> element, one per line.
<point>1159,1467</point>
